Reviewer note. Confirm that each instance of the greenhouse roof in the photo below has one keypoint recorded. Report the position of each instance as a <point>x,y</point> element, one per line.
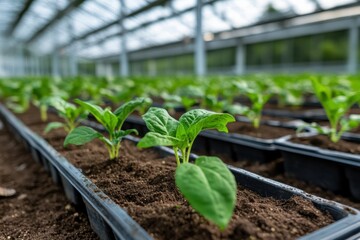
<point>93,25</point>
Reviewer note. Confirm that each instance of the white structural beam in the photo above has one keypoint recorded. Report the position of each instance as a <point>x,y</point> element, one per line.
<point>73,64</point>
<point>124,63</point>
<point>240,58</point>
<point>200,58</point>
<point>55,62</point>
<point>352,61</point>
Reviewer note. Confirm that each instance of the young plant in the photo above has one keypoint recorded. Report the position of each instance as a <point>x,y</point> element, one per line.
<point>336,103</point>
<point>71,114</point>
<point>258,99</point>
<point>111,121</point>
<point>207,183</point>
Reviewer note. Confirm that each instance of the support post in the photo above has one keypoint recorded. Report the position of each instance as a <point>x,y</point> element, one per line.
<point>124,62</point>
<point>352,60</point>
<point>55,63</point>
<point>240,58</point>
<point>73,67</point>
<point>200,58</point>
<point>20,70</point>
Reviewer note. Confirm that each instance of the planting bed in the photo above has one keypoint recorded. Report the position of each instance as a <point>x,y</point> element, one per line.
<point>39,210</point>
<point>123,179</point>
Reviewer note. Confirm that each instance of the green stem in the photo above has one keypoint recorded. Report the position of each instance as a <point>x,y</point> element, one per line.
<point>256,122</point>
<point>43,112</point>
<point>189,152</point>
<point>177,156</point>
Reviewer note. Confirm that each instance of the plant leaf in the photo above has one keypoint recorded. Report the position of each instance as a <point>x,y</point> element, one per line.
<point>127,108</point>
<point>123,133</point>
<point>158,120</point>
<point>197,120</point>
<point>96,111</point>
<point>152,139</point>
<point>81,135</point>
<point>209,187</point>
<point>110,120</point>
<point>53,125</point>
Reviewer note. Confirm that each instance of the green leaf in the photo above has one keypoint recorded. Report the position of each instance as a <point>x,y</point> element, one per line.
<point>109,120</point>
<point>197,120</point>
<point>152,139</point>
<point>81,135</point>
<point>123,133</point>
<point>53,125</point>
<point>158,120</point>
<point>127,108</point>
<point>209,187</point>
<point>96,111</point>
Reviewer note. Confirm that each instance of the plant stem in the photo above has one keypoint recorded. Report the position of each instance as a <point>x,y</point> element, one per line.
<point>177,156</point>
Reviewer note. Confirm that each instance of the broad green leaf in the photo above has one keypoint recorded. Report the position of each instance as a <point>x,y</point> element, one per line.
<point>96,111</point>
<point>152,139</point>
<point>127,108</point>
<point>158,120</point>
<point>123,133</point>
<point>197,120</point>
<point>81,135</point>
<point>209,187</point>
<point>53,125</point>
<point>109,120</point>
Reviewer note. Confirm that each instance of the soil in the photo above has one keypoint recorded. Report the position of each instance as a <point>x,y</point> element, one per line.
<point>264,131</point>
<point>275,171</point>
<point>142,182</point>
<point>39,210</point>
<point>323,141</point>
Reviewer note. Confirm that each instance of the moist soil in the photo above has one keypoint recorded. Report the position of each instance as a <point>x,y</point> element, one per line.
<point>264,131</point>
<point>142,182</point>
<point>275,170</point>
<point>39,210</point>
<point>323,141</point>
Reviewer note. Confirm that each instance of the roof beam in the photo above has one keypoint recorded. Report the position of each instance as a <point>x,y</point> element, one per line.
<point>116,21</point>
<point>21,14</point>
<point>60,14</point>
<point>146,24</point>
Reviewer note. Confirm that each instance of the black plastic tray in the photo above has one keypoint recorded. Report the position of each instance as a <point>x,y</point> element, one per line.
<point>333,170</point>
<point>106,218</point>
<point>306,115</point>
<point>270,188</point>
<point>110,221</point>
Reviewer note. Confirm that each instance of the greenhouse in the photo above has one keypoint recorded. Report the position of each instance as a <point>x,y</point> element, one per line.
<point>174,119</point>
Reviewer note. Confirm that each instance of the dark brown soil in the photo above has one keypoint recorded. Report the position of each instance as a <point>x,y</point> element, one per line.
<point>264,131</point>
<point>275,170</point>
<point>39,210</point>
<point>142,182</point>
<point>323,141</point>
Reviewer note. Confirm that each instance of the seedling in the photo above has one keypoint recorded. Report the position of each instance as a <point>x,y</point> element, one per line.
<point>71,114</point>
<point>336,104</point>
<point>258,99</point>
<point>111,121</point>
<point>207,184</point>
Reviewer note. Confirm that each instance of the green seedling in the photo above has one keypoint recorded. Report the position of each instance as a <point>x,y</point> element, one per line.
<point>71,114</point>
<point>336,103</point>
<point>111,121</point>
<point>258,99</point>
<point>207,183</point>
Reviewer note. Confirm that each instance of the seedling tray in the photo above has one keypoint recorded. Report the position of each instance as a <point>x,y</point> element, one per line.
<point>306,115</point>
<point>110,221</point>
<point>332,170</point>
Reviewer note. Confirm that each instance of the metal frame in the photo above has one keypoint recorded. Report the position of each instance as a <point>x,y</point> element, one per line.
<point>59,15</point>
<point>18,18</point>
<point>107,25</point>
